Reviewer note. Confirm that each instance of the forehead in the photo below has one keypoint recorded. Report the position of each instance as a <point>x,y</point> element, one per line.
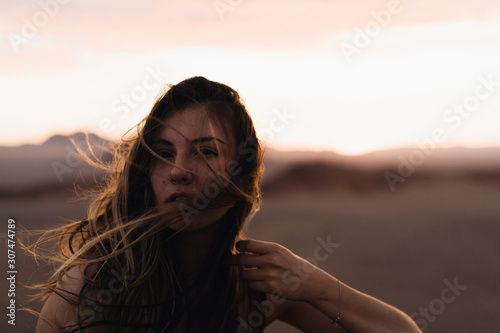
<point>192,123</point>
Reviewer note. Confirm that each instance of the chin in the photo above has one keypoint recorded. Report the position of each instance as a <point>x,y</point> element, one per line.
<point>193,225</point>
<point>203,220</point>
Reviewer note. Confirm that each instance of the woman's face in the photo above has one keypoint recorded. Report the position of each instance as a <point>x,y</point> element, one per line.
<point>189,140</point>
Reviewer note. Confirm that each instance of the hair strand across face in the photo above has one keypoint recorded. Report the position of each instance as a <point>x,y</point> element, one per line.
<point>126,237</point>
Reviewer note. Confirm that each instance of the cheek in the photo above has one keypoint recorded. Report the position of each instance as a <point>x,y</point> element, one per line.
<point>157,177</point>
<point>207,176</point>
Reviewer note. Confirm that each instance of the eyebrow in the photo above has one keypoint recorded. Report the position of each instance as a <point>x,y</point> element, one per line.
<point>195,141</point>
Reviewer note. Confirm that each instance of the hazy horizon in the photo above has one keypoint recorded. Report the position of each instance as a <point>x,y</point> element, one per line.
<point>351,77</point>
<point>268,147</point>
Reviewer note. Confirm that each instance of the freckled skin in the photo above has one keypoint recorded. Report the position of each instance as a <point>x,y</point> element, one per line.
<point>179,143</point>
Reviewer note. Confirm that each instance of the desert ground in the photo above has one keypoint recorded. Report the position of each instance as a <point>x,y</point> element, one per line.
<point>439,227</point>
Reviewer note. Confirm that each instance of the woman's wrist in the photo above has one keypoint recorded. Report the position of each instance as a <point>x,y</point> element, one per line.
<point>327,296</point>
<point>326,288</point>
<point>336,320</point>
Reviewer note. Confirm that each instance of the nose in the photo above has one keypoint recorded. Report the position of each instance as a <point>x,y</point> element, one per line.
<point>181,171</point>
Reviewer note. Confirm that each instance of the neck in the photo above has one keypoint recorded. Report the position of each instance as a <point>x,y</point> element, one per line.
<point>193,247</point>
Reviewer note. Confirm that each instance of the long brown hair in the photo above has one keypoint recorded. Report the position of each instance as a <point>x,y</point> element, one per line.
<point>126,239</point>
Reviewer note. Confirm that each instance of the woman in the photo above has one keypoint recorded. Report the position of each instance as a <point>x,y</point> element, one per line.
<point>162,249</point>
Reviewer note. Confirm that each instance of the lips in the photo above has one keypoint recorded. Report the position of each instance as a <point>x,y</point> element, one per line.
<point>178,197</point>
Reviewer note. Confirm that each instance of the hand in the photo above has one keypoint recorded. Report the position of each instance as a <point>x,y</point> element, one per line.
<point>270,267</point>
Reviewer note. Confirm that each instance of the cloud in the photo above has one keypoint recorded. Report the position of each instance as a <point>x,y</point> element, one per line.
<point>139,27</point>
<point>90,52</point>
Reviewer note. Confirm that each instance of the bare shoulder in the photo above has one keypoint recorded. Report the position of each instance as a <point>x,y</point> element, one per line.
<point>60,309</point>
<point>301,315</point>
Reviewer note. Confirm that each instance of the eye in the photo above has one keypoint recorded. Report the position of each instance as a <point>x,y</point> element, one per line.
<point>209,152</point>
<point>165,154</point>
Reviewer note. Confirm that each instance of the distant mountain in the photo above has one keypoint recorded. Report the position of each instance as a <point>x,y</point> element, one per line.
<point>323,176</point>
<point>448,158</point>
<point>379,170</point>
<point>56,165</point>
<point>79,137</point>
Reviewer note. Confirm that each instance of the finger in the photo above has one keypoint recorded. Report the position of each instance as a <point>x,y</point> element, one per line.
<point>253,274</point>
<point>259,286</point>
<point>255,246</point>
<point>245,259</point>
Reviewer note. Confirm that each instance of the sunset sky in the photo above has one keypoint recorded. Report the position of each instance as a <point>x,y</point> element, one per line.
<point>349,76</point>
